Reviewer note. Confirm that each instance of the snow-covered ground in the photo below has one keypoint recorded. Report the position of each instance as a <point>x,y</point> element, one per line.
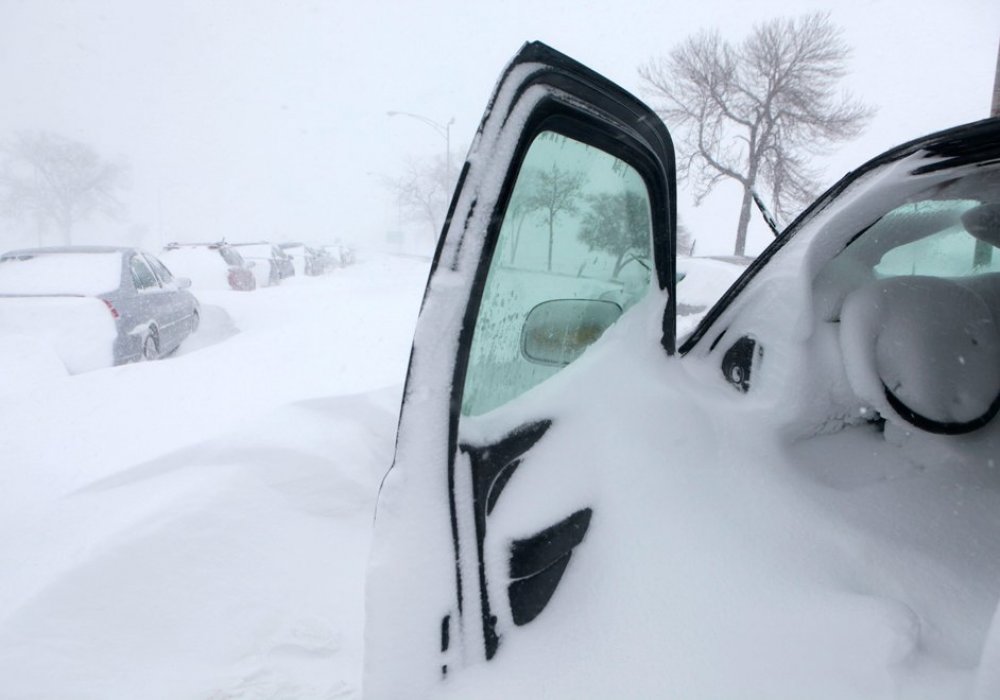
<point>198,527</point>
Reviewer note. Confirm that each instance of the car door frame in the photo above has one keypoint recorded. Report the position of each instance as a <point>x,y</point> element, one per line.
<point>541,89</point>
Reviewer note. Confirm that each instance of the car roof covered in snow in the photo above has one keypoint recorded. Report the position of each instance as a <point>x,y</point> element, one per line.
<point>87,249</point>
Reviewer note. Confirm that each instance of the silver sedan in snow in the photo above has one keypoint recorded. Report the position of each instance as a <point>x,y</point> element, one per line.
<point>96,306</point>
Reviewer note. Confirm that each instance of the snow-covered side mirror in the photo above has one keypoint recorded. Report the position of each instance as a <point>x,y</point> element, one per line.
<point>183,282</point>
<point>557,332</point>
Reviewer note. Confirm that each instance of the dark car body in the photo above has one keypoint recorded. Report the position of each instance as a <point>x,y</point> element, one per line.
<point>153,312</point>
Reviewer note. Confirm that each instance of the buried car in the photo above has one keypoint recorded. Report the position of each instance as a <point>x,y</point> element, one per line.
<point>307,259</point>
<point>211,266</point>
<point>95,306</point>
<point>270,263</point>
<point>798,498</point>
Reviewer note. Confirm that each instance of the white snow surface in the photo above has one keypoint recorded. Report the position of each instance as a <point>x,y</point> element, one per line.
<point>86,274</point>
<point>79,331</point>
<point>197,527</point>
<point>705,281</point>
<point>260,255</point>
<point>203,266</point>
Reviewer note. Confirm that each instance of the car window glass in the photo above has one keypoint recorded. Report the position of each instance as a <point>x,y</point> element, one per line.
<point>951,251</point>
<point>947,230</point>
<point>160,270</point>
<point>142,275</point>
<point>231,257</point>
<point>574,251</point>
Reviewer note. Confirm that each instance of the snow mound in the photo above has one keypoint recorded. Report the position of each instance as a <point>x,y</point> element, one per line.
<point>36,361</point>
<point>240,560</point>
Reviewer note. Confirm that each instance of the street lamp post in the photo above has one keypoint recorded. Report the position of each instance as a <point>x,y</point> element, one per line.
<point>443,130</point>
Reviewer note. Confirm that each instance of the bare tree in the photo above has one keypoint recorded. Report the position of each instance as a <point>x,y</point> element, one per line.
<point>755,112</point>
<point>517,212</point>
<point>57,180</point>
<point>424,191</point>
<point>618,223</point>
<point>554,192</point>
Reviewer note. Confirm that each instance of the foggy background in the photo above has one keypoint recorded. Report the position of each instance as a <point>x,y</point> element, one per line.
<point>256,119</point>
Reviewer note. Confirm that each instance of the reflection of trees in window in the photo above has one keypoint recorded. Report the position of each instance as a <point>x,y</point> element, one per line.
<point>618,224</point>
<point>517,212</point>
<point>553,192</point>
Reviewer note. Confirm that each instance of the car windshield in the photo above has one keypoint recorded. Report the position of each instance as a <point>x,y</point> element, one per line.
<point>901,217</point>
<point>916,228</point>
<point>85,274</point>
<point>950,251</point>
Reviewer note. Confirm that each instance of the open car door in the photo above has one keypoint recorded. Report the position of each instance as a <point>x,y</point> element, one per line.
<point>563,220</point>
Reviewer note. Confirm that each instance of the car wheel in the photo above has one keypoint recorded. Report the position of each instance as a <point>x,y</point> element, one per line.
<point>150,346</point>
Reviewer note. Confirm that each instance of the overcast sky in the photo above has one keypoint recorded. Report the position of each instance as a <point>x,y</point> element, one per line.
<point>267,119</point>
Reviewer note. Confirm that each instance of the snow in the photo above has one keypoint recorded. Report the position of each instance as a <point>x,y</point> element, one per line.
<point>260,255</point>
<point>705,281</point>
<point>298,255</point>
<point>419,515</point>
<point>775,544</point>
<point>203,266</point>
<point>197,527</point>
<point>201,526</point>
<point>757,566</point>
<point>78,331</point>
<point>87,274</point>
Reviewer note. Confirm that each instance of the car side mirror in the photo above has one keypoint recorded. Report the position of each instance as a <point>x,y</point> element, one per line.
<point>183,282</point>
<point>557,332</point>
<point>251,263</point>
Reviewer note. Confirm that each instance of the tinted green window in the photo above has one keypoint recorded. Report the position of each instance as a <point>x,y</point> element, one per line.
<point>574,251</point>
<point>950,252</point>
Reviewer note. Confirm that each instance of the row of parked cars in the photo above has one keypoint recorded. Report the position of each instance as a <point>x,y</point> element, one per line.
<point>96,306</point>
<point>246,266</point>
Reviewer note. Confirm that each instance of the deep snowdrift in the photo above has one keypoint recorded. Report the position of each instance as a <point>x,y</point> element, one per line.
<point>197,527</point>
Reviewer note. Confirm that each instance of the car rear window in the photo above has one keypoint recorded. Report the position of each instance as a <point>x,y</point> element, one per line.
<point>231,257</point>
<point>61,273</point>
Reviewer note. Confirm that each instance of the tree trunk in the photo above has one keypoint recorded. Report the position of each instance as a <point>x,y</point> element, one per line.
<point>40,226</point>
<point>65,226</point>
<point>619,264</point>
<point>551,236</point>
<point>516,238</point>
<point>741,228</point>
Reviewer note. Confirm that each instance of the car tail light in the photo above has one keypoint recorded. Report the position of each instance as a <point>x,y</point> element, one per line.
<point>111,308</point>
